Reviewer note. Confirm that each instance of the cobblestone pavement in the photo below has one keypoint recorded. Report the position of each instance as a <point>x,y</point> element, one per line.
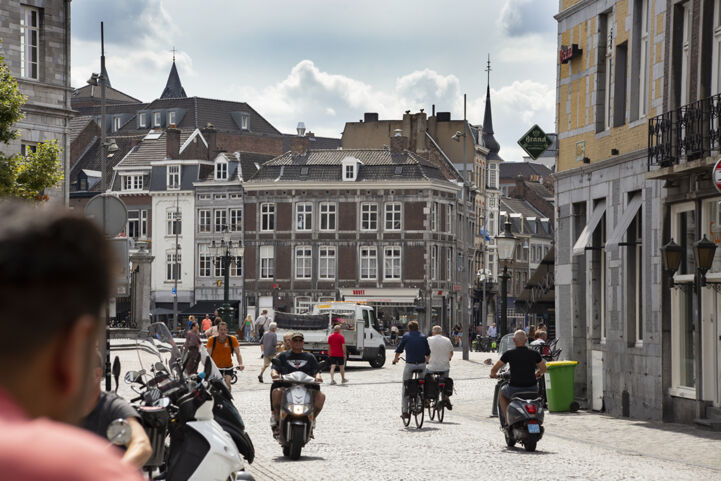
<point>360,436</point>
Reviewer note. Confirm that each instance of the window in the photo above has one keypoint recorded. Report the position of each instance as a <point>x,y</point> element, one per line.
<point>685,17</point>
<point>171,118</point>
<point>204,197</point>
<point>133,226</point>
<point>368,263</point>
<point>349,172</point>
<point>716,51</point>
<point>434,217</point>
<point>640,55</point>
<point>172,266</point>
<point>116,123</point>
<point>236,220</point>
<point>619,88</point>
<point>173,177</point>
<point>236,266</point>
<point>603,67</point>
<point>245,121</point>
<point>304,216</point>
<point>434,262</point>
<point>267,262</point>
<point>144,223</point>
<point>236,196</point>
<point>156,119</point>
<point>220,220</point>
<point>449,218</point>
<point>303,305</point>
<point>267,217</point>
<point>220,196</point>
<point>492,175</point>
<point>218,270</point>
<point>392,263</point>
<point>143,119</point>
<point>327,216</point>
<point>449,263</point>
<point>26,148</point>
<point>369,216</point>
<point>393,216</point>
<point>132,182</point>
<point>326,262</point>
<point>221,170</point>
<point>683,331</point>
<point>29,43</point>
<point>635,276</point>
<point>174,223</point>
<point>303,262</point>
<point>204,262</point>
<point>204,220</point>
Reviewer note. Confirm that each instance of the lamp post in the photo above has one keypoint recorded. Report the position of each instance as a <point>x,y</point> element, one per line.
<point>505,245</point>
<point>703,251</point>
<point>227,252</point>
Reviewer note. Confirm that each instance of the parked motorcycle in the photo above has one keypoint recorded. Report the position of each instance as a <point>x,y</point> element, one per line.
<point>195,430</point>
<point>296,411</point>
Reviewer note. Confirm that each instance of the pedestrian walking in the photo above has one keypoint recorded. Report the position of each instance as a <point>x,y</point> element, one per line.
<point>191,320</point>
<point>262,323</point>
<point>268,347</point>
<point>213,331</point>
<point>338,354</point>
<point>192,347</point>
<point>394,334</point>
<point>206,324</point>
<point>248,327</point>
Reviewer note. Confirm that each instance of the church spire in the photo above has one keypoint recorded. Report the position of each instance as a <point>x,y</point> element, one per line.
<point>487,133</point>
<point>173,88</point>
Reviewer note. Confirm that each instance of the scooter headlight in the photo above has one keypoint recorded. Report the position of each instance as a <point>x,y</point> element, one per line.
<point>298,409</point>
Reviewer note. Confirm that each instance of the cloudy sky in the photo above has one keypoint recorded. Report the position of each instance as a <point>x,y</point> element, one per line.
<point>325,62</point>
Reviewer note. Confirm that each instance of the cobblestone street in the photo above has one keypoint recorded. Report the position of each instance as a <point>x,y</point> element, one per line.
<point>359,435</point>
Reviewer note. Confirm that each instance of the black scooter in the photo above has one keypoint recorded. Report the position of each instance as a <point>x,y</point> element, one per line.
<point>523,420</point>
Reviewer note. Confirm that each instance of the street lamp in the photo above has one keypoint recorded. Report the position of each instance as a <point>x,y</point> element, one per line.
<point>505,245</point>
<point>228,252</point>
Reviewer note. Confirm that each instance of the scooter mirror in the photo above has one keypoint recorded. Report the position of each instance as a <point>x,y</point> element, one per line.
<point>116,371</point>
<point>118,432</point>
<point>160,367</point>
<point>130,377</point>
<point>208,367</point>
<point>163,402</point>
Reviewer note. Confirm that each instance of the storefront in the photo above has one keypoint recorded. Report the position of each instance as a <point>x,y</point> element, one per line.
<point>393,306</point>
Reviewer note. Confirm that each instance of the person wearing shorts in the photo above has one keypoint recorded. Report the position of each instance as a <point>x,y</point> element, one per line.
<point>338,354</point>
<point>268,347</point>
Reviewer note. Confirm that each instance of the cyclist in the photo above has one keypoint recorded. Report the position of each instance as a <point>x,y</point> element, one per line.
<point>439,361</point>
<point>527,366</point>
<point>221,348</point>
<point>417,351</point>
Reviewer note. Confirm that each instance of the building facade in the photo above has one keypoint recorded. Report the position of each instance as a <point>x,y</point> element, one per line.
<point>36,45</point>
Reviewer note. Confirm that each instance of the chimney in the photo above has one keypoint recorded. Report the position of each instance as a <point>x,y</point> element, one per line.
<point>210,135</point>
<point>399,142</point>
<point>443,116</point>
<point>370,117</point>
<point>299,145</point>
<point>172,143</point>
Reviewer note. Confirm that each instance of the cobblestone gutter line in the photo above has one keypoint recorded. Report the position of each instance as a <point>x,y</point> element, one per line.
<point>262,471</point>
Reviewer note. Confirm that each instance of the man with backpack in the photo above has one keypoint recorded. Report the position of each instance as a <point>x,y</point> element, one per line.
<point>262,323</point>
<point>221,348</point>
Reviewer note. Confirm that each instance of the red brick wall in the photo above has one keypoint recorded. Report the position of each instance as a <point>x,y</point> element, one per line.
<point>414,262</point>
<point>347,263</point>
<point>283,215</point>
<point>347,216</point>
<point>250,216</point>
<point>283,259</point>
<point>249,143</point>
<point>250,267</point>
<point>413,217</point>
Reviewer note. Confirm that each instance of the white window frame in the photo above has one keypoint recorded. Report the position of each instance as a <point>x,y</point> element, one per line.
<point>643,61</point>
<point>304,216</point>
<point>133,219</point>
<point>434,262</point>
<point>236,266</point>
<point>244,121</point>
<point>449,218</point>
<point>221,170</point>
<point>686,54</point>
<point>608,62</point>
<point>174,223</point>
<point>171,117</point>
<point>218,267</point>
<point>156,119</point>
<point>267,217</point>
<point>326,263</point>
<point>173,266</point>
<point>392,263</point>
<point>449,263</point>
<point>205,262</point>
<point>368,263</point>
<point>205,220</point>
<point>267,262</point>
<point>132,182</point>
<point>369,217</point>
<point>327,216</point>
<point>434,216</point>
<point>493,175</point>
<point>220,219</point>
<point>30,43</point>
<point>236,220</point>
<point>303,305</point>
<point>173,177</point>
<point>116,123</point>
<point>393,221</point>
<point>303,262</point>
<point>142,119</point>
<point>144,223</point>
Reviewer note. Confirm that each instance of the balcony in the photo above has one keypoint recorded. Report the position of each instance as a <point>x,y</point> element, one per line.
<point>683,139</point>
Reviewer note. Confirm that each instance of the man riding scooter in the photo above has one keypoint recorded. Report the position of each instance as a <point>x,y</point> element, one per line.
<point>290,361</point>
<point>527,366</point>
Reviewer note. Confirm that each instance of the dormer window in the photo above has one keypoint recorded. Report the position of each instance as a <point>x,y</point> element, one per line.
<point>156,119</point>
<point>221,170</point>
<point>142,120</point>
<point>173,177</point>
<point>245,121</point>
<point>116,123</point>
<point>171,118</point>
<point>349,167</point>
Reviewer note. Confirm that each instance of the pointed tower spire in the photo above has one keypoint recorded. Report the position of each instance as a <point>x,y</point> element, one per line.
<point>488,140</point>
<point>104,73</point>
<point>173,88</point>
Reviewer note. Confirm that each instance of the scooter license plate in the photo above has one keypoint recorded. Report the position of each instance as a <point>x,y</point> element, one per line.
<point>534,428</point>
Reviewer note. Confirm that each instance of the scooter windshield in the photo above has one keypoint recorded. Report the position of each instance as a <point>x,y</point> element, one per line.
<point>506,343</point>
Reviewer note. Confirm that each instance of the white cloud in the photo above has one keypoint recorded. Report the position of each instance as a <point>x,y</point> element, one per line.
<point>522,17</point>
<point>531,49</point>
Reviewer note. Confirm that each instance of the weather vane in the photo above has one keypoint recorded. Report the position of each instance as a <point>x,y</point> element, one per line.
<point>488,69</point>
<point>173,50</point>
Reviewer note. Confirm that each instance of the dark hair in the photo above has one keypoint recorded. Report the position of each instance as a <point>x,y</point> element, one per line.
<point>413,325</point>
<point>54,269</point>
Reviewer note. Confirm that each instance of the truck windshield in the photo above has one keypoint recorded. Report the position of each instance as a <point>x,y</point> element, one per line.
<point>372,321</point>
<point>345,318</point>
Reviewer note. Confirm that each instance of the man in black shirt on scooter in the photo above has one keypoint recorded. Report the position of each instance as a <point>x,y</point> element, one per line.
<point>527,366</point>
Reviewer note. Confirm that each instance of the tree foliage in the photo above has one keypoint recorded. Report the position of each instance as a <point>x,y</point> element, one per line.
<point>28,176</point>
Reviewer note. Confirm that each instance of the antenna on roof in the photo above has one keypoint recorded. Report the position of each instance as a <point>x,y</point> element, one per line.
<point>488,70</point>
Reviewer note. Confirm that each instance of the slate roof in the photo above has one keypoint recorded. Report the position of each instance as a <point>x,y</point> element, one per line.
<point>326,166</point>
<point>511,170</point>
<point>540,190</point>
<point>77,125</point>
<point>489,141</point>
<point>316,143</point>
<point>90,159</point>
<point>173,88</point>
<point>519,206</point>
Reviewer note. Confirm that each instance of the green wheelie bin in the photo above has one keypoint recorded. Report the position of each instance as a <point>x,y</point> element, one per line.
<point>559,385</point>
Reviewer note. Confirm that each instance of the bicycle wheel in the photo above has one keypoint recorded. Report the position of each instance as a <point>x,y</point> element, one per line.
<point>441,406</point>
<point>432,409</point>
<point>419,412</point>
<point>407,421</point>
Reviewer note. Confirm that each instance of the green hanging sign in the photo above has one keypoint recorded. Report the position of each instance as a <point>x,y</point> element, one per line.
<point>535,142</point>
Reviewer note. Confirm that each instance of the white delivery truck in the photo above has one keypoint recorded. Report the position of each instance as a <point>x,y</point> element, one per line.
<point>358,323</point>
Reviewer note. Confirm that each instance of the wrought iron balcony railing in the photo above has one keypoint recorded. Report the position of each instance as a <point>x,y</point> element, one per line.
<point>690,132</point>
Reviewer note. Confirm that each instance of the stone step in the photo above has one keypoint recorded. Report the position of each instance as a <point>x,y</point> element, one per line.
<point>710,424</point>
<point>713,413</point>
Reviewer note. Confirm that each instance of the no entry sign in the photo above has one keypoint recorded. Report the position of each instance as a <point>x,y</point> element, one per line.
<point>717,175</point>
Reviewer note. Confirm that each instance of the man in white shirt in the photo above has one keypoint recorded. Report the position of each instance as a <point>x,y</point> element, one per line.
<point>441,352</point>
<point>492,330</point>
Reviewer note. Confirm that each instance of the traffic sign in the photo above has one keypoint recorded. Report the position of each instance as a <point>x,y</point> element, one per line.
<point>535,142</point>
<point>108,212</point>
<point>717,175</point>
<point>173,291</point>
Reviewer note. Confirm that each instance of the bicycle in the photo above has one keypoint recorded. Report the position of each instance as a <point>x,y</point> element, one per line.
<point>436,403</point>
<point>414,392</point>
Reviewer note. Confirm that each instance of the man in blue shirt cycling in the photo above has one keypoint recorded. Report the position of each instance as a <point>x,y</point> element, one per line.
<point>417,351</point>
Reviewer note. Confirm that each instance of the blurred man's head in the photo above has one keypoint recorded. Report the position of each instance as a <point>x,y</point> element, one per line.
<point>336,328</point>
<point>542,335</point>
<point>520,338</point>
<point>436,330</point>
<point>55,270</point>
<point>413,326</point>
<point>222,329</point>
<point>273,326</point>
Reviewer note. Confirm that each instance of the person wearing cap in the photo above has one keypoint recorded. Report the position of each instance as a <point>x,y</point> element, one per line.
<point>338,353</point>
<point>290,361</point>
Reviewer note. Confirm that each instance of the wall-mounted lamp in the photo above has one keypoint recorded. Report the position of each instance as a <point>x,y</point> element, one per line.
<point>614,151</point>
<point>586,160</point>
<point>703,252</point>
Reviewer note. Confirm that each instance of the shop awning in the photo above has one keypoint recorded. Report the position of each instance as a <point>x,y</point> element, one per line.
<point>583,241</point>
<point>538,295</point>
<point>628,214</point>
<point>381,296</point>
<point>382,300</point>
